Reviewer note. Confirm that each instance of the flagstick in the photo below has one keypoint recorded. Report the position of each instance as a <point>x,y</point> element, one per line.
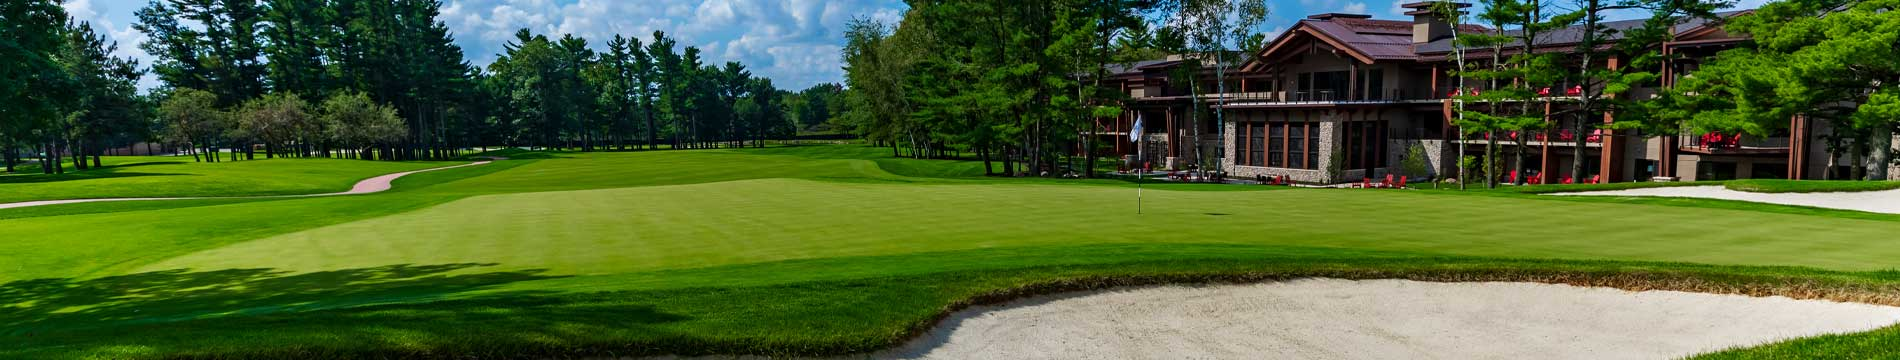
<point>1139,176</point>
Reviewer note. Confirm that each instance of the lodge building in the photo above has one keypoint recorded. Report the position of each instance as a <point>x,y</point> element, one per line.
<point>1364,92</point>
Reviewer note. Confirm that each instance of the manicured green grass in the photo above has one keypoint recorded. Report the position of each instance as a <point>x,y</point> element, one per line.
<point>1809,186</point>
<point>813,250</point>
<point>176,176</point>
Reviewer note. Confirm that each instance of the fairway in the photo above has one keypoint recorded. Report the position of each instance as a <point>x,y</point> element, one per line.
<point>179,176</point>
<point>805,250</point>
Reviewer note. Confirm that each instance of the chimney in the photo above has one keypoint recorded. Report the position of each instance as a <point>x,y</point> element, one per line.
<point>1427,26</point>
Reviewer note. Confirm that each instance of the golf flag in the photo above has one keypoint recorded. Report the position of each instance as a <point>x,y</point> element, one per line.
<point>1134,133</point>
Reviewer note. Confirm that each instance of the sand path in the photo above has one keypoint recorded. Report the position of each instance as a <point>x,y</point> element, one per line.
<point>1884,201</point>
<point>367,186</point>
<point>1382,319</point>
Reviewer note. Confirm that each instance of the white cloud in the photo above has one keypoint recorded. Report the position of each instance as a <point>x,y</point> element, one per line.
<point>101,17</point>
<point>1354,8</point>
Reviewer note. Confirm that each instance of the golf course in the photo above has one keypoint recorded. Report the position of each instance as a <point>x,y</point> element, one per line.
<point>799,250</point>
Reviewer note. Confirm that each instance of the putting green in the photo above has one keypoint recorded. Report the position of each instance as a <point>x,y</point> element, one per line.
<point>801,250</point>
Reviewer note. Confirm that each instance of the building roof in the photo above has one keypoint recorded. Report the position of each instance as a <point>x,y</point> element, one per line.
<point>1574,34</point>
<point>1375,39</point>
<point>1138,66</point>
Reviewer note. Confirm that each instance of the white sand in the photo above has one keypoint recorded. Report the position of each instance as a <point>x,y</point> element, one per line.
<point>1383,319</point>
<point>1885,201</point>
<point>367,186</point>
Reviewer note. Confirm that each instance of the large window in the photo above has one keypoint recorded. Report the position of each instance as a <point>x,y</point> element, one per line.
<point>1280,144</point>
<point>1365,144</point>
<point>1323,86</point>
<point>1256,144</point>
<point>1372,85</point>
<point>1296,135</point>
<point>1276,144</point>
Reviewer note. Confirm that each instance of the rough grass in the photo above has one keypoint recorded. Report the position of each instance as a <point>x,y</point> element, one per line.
<point>176,176</point>
<point>813,251</point>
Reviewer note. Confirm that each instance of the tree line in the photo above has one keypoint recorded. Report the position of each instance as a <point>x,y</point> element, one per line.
<point>1830,61</point>
<point>1019,82</point>
<point>366,79</point>
<point>1507,91</point>
<point>61,90</point>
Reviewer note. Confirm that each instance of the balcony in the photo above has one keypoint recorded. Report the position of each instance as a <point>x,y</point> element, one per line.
<point>1561,137</point>
<point>1319,97</point>
<point>1716,143</point>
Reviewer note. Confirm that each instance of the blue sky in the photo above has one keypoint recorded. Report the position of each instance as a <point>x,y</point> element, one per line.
<point>794,42</point>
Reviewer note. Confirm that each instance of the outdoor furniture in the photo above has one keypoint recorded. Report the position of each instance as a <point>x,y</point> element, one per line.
<point>1567,180</point>
<point>1401,184</point>
<point>1365,183</point>
<point>1574,91</point>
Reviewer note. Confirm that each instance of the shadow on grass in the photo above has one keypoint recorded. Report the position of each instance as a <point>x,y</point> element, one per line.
<point>517,154</point>
<point>400,311</point>
<point>106,173</point>
<point>66,304</point>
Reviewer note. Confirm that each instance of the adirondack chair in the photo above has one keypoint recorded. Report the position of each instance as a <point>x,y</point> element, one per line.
<point>1401,184</point>
<point>1365,183</point>
<point>1388,181</point>
<point>1568,180</point>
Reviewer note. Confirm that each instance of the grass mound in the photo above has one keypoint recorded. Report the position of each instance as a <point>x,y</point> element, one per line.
<point>1809,186</point>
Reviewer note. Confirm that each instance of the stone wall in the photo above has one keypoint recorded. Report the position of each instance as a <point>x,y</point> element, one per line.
<point>1436,158</point>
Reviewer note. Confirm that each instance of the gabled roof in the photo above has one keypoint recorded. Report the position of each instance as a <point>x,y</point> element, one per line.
<point>1358,36</point>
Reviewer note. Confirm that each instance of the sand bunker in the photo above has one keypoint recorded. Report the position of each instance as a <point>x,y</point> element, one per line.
<point>1885,201</point>
<point>1385,319</point>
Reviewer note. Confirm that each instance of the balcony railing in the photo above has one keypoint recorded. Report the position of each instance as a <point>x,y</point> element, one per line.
<point>1324,96</point>
<point>1561,136</point>
<point>1720,142</point>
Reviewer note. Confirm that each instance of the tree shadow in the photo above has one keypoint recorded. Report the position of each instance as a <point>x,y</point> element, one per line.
<point>114,171</point>
<point>63,304</point>
<point>395,311</point>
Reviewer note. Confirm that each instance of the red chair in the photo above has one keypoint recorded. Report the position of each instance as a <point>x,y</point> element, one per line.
<point>1568,180</point>
<point>1574,91</point>
<point>1388,181</point>
<point>1536,179</point>
<point>1596,179</point>
<point>1401,182</point>
<point>1365,183</point>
